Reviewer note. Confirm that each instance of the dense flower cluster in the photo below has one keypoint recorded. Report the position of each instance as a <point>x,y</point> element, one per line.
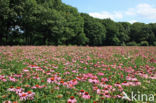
<point>74,74</point>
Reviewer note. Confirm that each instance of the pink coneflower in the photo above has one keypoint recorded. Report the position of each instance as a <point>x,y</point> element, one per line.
<point>107,95</point>
<point>104,79</point>
<point>144,75</point>
<point>98,91</point>
<point>4,80</point>
<point>33,66</point>
<point>18,90</point>
<point>74,82</point>
<point>57,88</point>
<point>26,95</point>
<point>61,82</point>
<point>94,81</point>
<point>79,78</point>
<point>118,96</point>
<point>27,86</point>
<point>74,71</point>
<point>7,101</point>
<point>86,95</point>
<point>66,73</point>
<point>117,84</point>
<point>2,76</point>
<point>120,88</point>
<point>100,74</point>
<point>17,75</point>
<point>12,89</point>
<point>30,95</point>
<point>48,73</point>
<point>72,100</point>
<point>39,69</point>
<point>38,86</point>
<point>131,78</point>
<point>69,85</point>
<point>125,83</point>
<point>106,90</point>
<point>153,77</point>
<point>23,96</point>
<point>153,60</point>
<point>12,79</point>
<point>36,77</point>
<point>25,70</point>
<point>51,80</point>
<point>137,83</point>
<point>82,92</point>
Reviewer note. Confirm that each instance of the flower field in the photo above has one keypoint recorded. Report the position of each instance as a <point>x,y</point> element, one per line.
<point>49,74</point>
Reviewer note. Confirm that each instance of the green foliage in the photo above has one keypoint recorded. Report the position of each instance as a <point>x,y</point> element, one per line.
<point>140,32</point>
<point>112,32</point>
<point>51,22</point>
<point>154,43</point>
<point>94,30</point>
<point>133,43</point>
<point>144,43</point>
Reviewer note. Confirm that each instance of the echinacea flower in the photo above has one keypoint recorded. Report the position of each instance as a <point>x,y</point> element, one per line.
<point>12,79</point>
<point>23,96</point>
<point>38,86</point>
<point>107,95</point>
<point>17,75</point>
<point>7,101</point>
<point>72,100</point>
<point>25,70</point>
<point>81,92</point>
<point>36,77</point>
<point>100,74</point>
<point>104,79</point>
<point>86,95</point>
<point>51,80</point>
<point>30,95</point>
<point>117,84</point>
<point>18,90</point>
<point>11,89</point>
<point>94,81</point>
<point>26,95</point>
<point>14,102</point>
<point>125,83</point>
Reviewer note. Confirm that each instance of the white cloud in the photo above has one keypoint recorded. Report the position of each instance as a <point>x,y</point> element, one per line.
<point>105,14</point>
<point>142,10</point>
<point>130,12</point>
<point>141,13</point>
<point>132,21</point>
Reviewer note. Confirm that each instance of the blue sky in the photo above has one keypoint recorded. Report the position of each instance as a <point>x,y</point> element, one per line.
<point>118,10</point>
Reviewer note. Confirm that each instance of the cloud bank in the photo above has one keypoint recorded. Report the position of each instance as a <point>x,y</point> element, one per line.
<point>140,12</point>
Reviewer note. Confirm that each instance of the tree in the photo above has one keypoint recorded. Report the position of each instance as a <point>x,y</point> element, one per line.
<point>4,23</point>
<point>124,31</point>
<point>139,32</point>
<point>51,22</point>
<point>112,32</point>
<point>152,36</point>
<point>73,27</point>
<point>94,30</point>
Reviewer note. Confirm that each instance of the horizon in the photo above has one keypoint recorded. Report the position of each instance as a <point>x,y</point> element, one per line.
<point>120,11</point>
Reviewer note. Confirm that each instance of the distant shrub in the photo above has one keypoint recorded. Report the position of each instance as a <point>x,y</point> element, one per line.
<point>133,43</point>
<point>154,43</point>
<point>144,43</point>
<point>123,44</point>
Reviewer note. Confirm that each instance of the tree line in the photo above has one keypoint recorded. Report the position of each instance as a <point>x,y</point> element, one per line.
<point>51,22</point>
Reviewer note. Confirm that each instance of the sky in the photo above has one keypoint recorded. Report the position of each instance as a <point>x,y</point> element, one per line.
<point>118,10</point>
